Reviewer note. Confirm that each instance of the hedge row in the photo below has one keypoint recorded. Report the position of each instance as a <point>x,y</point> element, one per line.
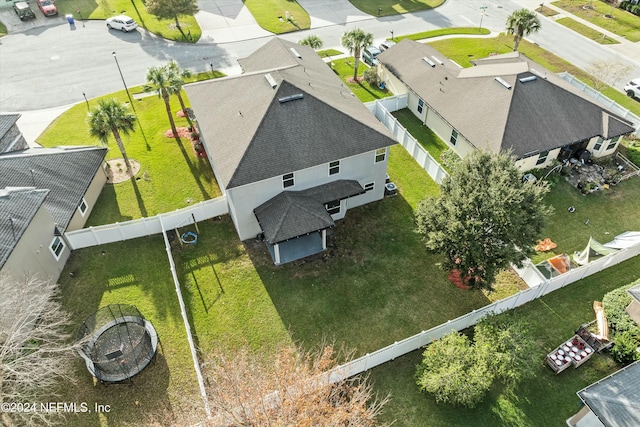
<point>630,7</point>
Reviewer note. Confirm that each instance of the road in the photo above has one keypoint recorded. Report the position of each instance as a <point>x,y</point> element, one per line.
<point>51,66</point>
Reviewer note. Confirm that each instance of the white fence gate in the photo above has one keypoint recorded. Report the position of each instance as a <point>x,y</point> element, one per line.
<point>93,236</point>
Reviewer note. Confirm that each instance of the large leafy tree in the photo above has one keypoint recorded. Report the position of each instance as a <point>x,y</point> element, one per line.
<point>485,217</point>
<point>354,41</point>
<point>313,41</point>
<point>521,23</point>
<point>159,79</point>
<point>111,117</point>
<point>454,372</point>
<point>177,78</point>
<point>289,389</point>
<point>172,9</point>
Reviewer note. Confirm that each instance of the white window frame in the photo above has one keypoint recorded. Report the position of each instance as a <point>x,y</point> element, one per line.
<point>453,139</point>
<point>369,187</point>
<point>333,209</point>
<point>334,168</point>
<point>380,155</point>
<point>612,143</point>
<point>542,157</point>
<point>598,145</point>
<point>57,244</point>
<point>288,180</point>
<point>82,210</point>
<point>420,105</point>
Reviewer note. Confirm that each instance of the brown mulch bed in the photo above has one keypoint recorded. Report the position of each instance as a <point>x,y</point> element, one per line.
<point>183,132</point>
<point>116,172</point>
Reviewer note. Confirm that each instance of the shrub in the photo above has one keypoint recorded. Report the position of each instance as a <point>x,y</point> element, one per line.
<point>614,304</point>
<point>449,158</point>
<point>625,350</point>
<point>371,76</point>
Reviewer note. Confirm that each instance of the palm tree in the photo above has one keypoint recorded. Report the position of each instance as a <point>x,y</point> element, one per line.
<point>112,117</point>
<point>159,79</point>
<point>313,41</point>
<point>356,40</point>
<point>521,23</point>
<point>176,80</point>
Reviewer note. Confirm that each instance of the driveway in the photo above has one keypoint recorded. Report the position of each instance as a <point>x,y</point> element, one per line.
<point>331,12</point>
<point>224,21</point>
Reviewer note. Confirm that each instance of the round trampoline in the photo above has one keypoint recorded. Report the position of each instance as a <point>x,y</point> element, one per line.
<point>117,342</point>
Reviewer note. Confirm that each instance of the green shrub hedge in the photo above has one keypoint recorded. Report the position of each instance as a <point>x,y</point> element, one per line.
<point>630,7</point>
<point>614,304</point>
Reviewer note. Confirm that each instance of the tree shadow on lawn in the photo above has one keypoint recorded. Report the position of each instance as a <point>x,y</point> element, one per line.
<point>375,284</point>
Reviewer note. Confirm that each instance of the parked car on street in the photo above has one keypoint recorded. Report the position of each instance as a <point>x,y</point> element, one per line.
<point>386,45</point>
<point>632,88</point>
<point>47,7</point>
<point>122,23</point>
<point>23,10</point>
<point>369,55</point>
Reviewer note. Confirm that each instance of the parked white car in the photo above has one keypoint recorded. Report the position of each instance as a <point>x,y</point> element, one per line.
<point>633,88</point>
<point>122,23</point>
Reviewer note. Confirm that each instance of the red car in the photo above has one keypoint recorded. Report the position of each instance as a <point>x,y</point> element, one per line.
<point>47,7</point>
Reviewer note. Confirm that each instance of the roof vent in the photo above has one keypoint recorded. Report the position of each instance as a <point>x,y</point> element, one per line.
<point>271,80</point>
<point>295,52</point>
<point>437,60</point>
<point>428,61</point>
<point>503,82</point>
<point>527,79</point>
<point>290,98</point>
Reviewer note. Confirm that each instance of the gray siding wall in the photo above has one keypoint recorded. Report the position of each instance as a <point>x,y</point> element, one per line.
<point>91,196</point>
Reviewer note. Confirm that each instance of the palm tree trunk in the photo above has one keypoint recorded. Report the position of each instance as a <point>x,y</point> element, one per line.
<point>165,98</point>
<point>116,136</point>
<point>356,63</point>
<point>184,109</point>
<point>516,43</point>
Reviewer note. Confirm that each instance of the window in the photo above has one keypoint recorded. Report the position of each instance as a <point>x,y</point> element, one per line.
<point>333,207</point>
<point>57,246</point>
<point>83,207</point>
<point>542,157</point>
<point>287,180</point>
<point>420,105</point>
<point>381,154</point>
<point>369,186</point>
<point>454,137</point>
<point>334,167</point>
<point>613,143</point>
<point>598,144</point>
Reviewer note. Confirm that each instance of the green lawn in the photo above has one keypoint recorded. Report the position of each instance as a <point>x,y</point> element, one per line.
<point>442,32</point>
<point>545,400</point>
<point>171,175</point>
<point>166,28</point>
<point>586,31</point>
<point>623,23</point>
<point>394,7</point>
<point>343,67</point>
<point>464,50</point>
<point>3,30</point>
<point>546,11</point>
<point>329,52</point>
<point>272,15</point>
<point>425,136</point>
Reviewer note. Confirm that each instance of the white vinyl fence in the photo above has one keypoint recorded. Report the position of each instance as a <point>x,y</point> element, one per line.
<point>100,235</point>
<point>611,104</point>
<point>382,108</point>
<point>417,341</point>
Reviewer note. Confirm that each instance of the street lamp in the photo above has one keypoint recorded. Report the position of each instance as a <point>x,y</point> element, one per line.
<point>125,85</point>
<point>85,100</point>
<point>392,36</point>
<point>482,9</point>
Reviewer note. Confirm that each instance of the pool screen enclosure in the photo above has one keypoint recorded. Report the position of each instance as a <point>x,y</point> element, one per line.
<point>117,342</point>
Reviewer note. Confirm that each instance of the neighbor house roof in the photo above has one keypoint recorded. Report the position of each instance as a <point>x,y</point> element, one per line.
<point>615,399</point>
<point>252,133</point>
<point>6,122</point>
<point>18,206</point>
<point>66,171</point>
<point>503,102</point>
<point>295,213</point>
<point>9,144</point>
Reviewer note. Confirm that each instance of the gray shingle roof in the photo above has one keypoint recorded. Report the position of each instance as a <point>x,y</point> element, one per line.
<point>66,171</point>
<point>295,213</point>
<point>252,136</point>
<point>6,121</point>
<point>18,206</point>
<point>533,116</point>
<point>615,400</point>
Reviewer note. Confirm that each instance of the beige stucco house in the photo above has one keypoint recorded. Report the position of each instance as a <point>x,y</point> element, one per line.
<point>504,102</point>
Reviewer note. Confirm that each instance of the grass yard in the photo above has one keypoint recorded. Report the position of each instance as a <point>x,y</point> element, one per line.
<point>442,32</point>
<point>3,30</point>
<point>425,136</point>
<point>343,67</point>
<point>586,31</point>
<point>166,28</point>
<point>329,52</point>
<point>623,23</point>
<point>545,400</point>
<point>463,51</point>
<point>546,11</point>
<point>272,15</point>
<point>171,175</point>
<point>394,7</point>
